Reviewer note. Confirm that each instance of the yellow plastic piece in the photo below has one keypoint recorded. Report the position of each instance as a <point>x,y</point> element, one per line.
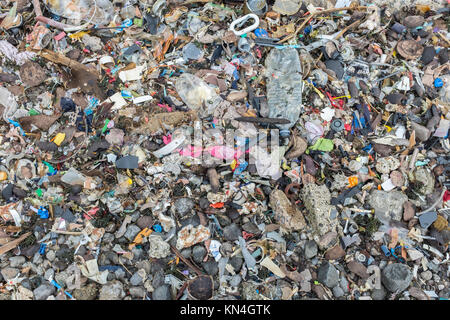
<point>59,138</point>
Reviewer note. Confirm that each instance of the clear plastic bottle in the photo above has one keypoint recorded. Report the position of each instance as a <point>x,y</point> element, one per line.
<point>284,86</point>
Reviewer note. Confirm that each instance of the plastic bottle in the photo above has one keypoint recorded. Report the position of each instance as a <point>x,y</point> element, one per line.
<point>284,86</point>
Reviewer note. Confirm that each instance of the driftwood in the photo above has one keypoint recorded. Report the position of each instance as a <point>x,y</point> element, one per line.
<point>59,58</point>
<point>14,243</point>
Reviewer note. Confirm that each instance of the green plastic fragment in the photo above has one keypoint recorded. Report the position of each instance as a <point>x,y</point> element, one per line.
<point>105,127</point>
<point>49,166</point>
<point>138,22</point>
<point>39,192</point>
<point>33,112</point>
<point>322,144</point>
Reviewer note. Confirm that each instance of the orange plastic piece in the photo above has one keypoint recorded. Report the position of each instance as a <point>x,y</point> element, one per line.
<point>217,205</point>
<point>352,181</point>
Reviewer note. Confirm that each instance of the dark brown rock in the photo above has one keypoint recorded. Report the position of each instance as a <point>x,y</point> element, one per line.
<point>408,211</point>
<point>335,253</point>
<point>358,268</point>
<point>32,74</point>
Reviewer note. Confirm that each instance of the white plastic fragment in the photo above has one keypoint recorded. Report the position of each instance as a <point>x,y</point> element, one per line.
<point>269,264</point>
<point>132,74</point>
<point>170,147</point>
<point>242,20</point>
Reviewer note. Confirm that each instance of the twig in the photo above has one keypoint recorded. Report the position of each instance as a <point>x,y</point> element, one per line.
<point>357,22</point>
<point>14,243</point>
<point>187,262</point>
<point>316,14</point>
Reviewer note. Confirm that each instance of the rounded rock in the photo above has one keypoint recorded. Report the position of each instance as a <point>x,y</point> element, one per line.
<point>396,277</point>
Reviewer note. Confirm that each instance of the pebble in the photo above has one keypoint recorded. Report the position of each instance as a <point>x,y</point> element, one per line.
<point>183,206</point>
<point>328,275</point>
<point>310,249</point>
<point>408,211</point>
<point>88,292</point>
<point>426,275</point>
<point>43,291</point>
<point>211,267</point>
<point>112,291</point>
<point>162,293</point>
<point>9,273</point>
<point>50,255</point>
<point>136,279</point>
<point>132,231</point>
<point>232,232</point>
<point>137,292</point>
<point>16,261</point>
<point>198,253</point>
<point>335,253</point>
<point>379,294</point>
<point>338,292</point>
<point>396,277</point>
<point>144,222</point>
<point>358,268</point>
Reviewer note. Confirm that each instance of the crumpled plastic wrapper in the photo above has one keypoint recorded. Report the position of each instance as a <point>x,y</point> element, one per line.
<point>189,235</point>
<point>90,270</point>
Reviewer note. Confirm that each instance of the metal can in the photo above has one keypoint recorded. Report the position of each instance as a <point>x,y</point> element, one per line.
<point>258,7</point>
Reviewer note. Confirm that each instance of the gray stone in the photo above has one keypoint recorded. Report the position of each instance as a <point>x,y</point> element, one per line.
<point>306,275</point>
<point>183,206</point>
<point>379,294</point>
<point>120,273</point>
<point>88,292</point>
<point>310,249</point>
<point>426,275</point>
<point>426,219</point>
<point>186,253</point>
<point>285,213</point>
<point>422,133</point>
<point>50,273</point>
<point>112,291</point>
<point>305,286</point>
<point>43,291</point>
<point>131,232</point>
<point>317,201</point>
<point>9,273</point>
<point>108,238</point>
<point>136,279</point>
<point>144,264</point>
<point>162,293</point>
<point>358,268</point>
<point>137,292</point>
<point>344,284</point>
<point>231,232</point>
<point>16,261</point>
<point>236,262</point>
<point>396,277</point>
<point>328,275</point>
<point>235,280</point>
<point>61,278</point>
<point>388,205</point>
<point>338,292</point>
<point>50,255</point>
<point>144,222</point>
<point>211,267</point>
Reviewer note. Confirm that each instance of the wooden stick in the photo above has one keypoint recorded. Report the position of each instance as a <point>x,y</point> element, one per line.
<point>59,58</point>
<point>357,22</point>
<point>316,14</point>
<point>14,243</point>
<point>186,261</point>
